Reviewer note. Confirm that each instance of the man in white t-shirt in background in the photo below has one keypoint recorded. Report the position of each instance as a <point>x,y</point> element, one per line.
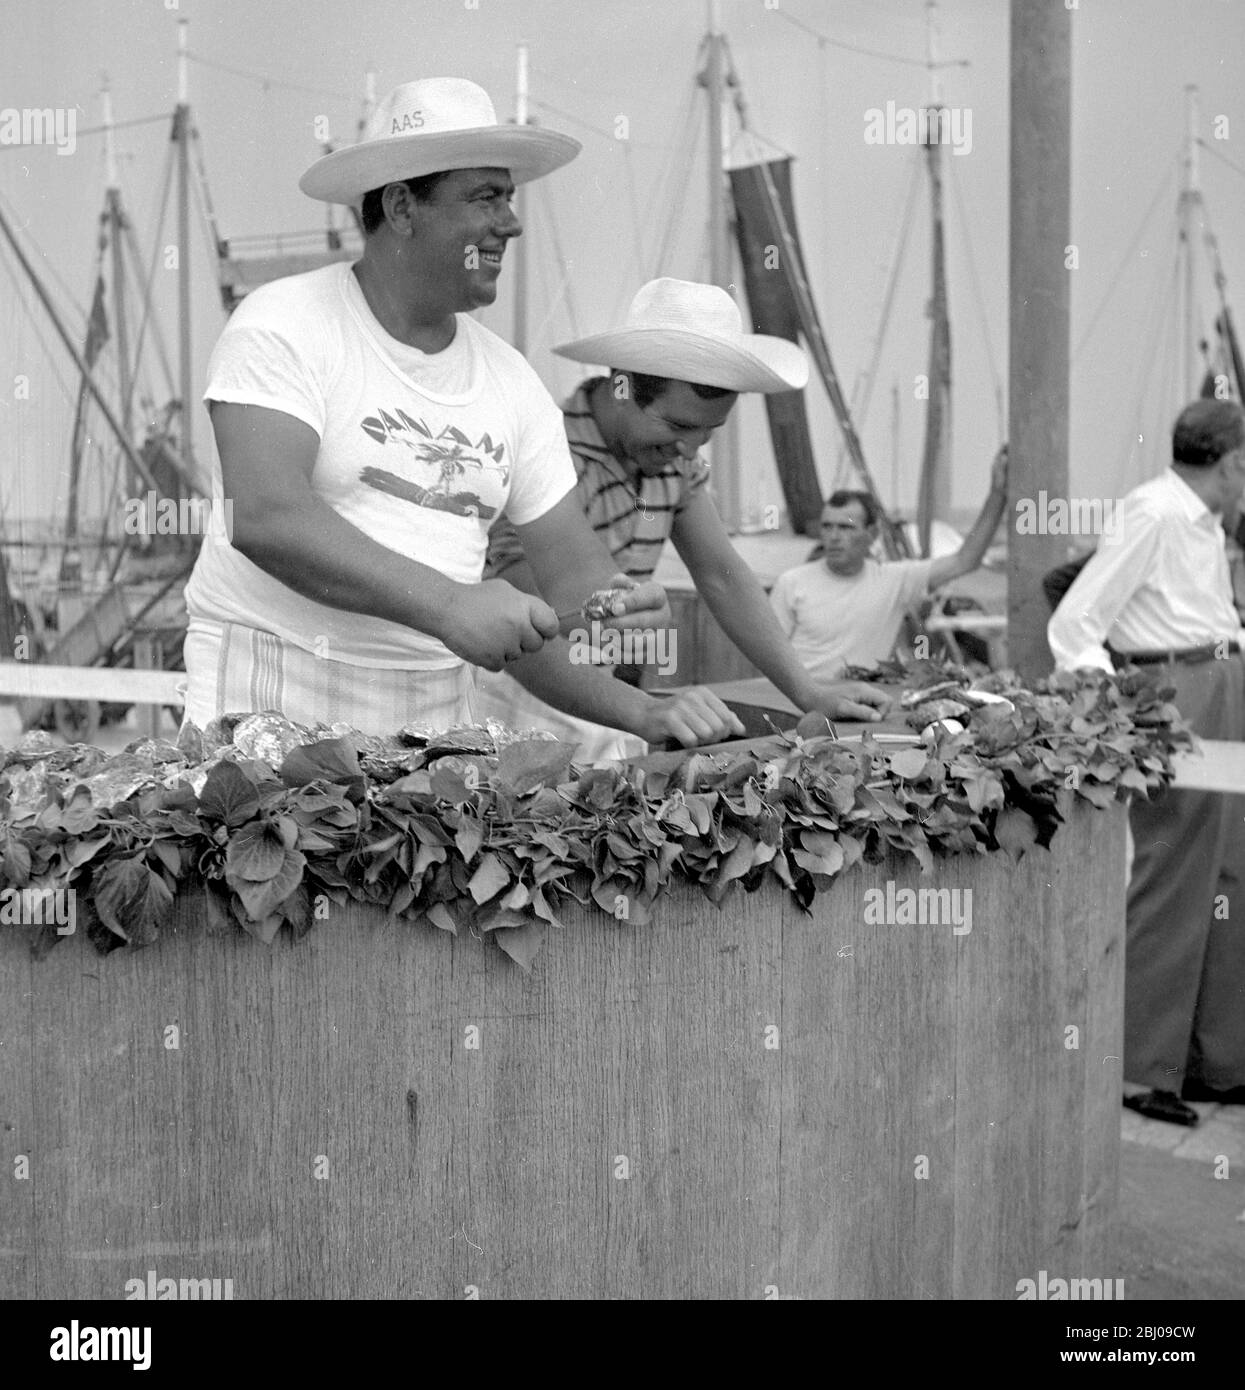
<point>369,431</point>
<point>846,608</point>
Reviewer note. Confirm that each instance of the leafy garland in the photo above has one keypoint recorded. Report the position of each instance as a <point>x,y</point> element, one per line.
<point>499,843</point>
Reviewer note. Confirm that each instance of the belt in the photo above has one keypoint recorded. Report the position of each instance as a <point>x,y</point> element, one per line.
<point>1190,656</point>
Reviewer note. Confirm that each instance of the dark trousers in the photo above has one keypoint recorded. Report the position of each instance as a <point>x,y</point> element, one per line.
<point>1184,992</point>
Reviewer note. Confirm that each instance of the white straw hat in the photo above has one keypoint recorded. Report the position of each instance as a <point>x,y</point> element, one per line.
<point>430,127</point>
<point>692,332</point>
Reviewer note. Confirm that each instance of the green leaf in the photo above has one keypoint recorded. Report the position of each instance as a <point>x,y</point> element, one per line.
<point>468,838</point>
<point>262,899</point>
<point>828,860</point>
<point>489,879</point>
<point>1015,831</point>
<point>17,862</point>
<point>524,766</point>
<point>132,901</point>
<point>79,815</point>
<point>908,763</point>
<point>440,916</point>
<point>331,760</point>
<point>228,796</point>
<point>255,854</point>
<point>522,944</point>
<point>79,852</point>
<point>448,783</point>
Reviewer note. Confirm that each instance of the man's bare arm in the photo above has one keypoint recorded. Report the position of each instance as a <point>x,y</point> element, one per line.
<point>977,542</point>
<point>737,600</point>
<point>566,561</point>
<point>284,527</point>
<point>591,692</point>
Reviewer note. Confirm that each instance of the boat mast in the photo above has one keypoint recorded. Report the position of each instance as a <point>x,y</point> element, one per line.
<point>1190,220</point>
<point>935,490</point>
<point>116,229</point>
<point>181,135</point>
<point>520,200</point>
<point>725,448</point>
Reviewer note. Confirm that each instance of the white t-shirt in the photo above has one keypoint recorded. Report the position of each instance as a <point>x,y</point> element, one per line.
<point>831,619</point>
<point>419,451</point>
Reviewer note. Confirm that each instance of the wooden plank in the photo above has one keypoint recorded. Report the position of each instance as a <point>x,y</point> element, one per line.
<point>31,679</point>
<point>1101,870</point>
<point>19,1269</point>
<point>868,1095</point>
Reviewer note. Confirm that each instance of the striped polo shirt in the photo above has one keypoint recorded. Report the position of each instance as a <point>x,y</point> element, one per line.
<point>633,515</point>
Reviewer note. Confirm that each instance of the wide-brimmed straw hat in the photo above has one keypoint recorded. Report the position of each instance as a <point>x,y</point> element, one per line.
<point>430,127</point>
<point>692,332</point>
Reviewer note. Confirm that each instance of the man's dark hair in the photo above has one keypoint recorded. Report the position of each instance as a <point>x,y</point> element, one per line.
<point>645,389</point>
<point>373,211</point>
<point>1205,431</point>
<point>844,498</point>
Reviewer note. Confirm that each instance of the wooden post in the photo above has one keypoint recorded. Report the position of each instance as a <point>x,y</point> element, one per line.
<point>182,131</point>
<point>1041,261</point>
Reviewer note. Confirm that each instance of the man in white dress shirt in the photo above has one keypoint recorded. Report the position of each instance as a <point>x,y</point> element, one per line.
<point>1158,592</point>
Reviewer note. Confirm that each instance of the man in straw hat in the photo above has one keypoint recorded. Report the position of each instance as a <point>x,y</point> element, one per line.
<point>369,432</point>
<point>677,365</point>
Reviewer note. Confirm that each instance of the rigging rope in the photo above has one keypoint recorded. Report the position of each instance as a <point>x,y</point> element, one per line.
<point>868,52</point>
<point>1210,149</point>
<point>862,389</point>
<point>692,128</point>
<point>556,239</point>
<point>148,281</point>
<point>1124,262</point>
<point>79,313</point>
<point>1153,334</point>
<point>96,130</point>
<point>268,82</point>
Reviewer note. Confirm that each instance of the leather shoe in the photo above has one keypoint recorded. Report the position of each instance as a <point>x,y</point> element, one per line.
<point>1162,1105</point>
<point>1197,1090</point>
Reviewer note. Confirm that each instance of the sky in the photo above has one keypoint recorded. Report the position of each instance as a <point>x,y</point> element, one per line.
<point>262,75</point>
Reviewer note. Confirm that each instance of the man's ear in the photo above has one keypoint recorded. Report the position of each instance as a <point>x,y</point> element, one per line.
<point>401,207</point>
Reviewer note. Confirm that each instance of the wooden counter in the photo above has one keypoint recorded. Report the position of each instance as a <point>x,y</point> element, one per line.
<point>744,1103</point>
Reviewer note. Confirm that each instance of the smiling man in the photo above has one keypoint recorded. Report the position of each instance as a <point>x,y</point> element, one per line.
<point>678,363</point>
<point>369,431</point>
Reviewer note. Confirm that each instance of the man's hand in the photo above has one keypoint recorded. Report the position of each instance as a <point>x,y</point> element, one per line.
<point>492,623</point>
<point>642,605</point>
<point>854,700</point>
<point>998,470</point>
<point>694,716</point>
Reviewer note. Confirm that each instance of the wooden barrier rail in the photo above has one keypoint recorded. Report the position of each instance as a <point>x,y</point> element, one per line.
<point>29,679</point>
<point>745,1103</point>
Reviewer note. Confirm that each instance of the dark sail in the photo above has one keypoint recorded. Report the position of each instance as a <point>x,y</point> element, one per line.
<point>782,304</point>
<point>775,310</point>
